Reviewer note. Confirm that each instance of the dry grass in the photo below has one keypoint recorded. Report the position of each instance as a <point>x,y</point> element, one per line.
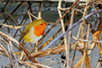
<point>82,43</point>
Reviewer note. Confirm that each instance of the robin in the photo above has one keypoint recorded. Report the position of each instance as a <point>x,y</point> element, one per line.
<point>33,31</point>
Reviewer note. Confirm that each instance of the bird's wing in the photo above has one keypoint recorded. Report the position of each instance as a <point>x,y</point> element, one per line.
<point>26,30</point>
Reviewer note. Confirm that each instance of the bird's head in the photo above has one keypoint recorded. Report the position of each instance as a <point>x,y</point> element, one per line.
<point>41,23</point>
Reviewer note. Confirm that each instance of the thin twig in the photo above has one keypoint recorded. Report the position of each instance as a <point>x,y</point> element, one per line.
<point>58,20</point>
<point>13,12</point>
<point>21,46</point>
<point>86,17</point>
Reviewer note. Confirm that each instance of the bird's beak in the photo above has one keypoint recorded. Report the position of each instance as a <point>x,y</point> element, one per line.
<point>45,25</point>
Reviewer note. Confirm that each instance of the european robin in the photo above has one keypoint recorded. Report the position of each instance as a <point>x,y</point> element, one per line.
<point>33,31</point>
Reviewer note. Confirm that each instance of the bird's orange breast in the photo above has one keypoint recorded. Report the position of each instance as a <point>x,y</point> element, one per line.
<point>39,29</point>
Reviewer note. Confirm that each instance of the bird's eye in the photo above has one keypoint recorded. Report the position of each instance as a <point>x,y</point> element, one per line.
<point>41,24</point>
